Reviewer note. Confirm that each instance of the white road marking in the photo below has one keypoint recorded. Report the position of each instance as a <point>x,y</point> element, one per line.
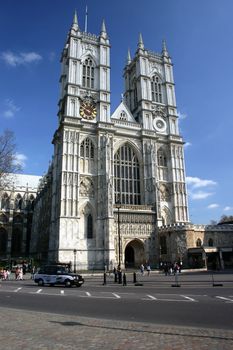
<point>16,290</point>
<point>186,297</point>
<point>116,295</point>
<point>151,297</point>
<point>88,294</point>
<point>62,292</point>
<point>39,291</point>
<point>226,299</point>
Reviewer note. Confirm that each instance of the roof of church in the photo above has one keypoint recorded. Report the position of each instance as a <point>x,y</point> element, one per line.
<point>24,180</point>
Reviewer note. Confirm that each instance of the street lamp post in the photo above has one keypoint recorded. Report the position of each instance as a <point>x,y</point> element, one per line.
<point>75,252</point>
<point>118,206</point>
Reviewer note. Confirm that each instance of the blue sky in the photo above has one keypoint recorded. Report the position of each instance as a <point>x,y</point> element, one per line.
<point>199,36</point>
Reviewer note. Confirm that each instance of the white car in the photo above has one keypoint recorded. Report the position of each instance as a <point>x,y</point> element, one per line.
<point>57,274</point>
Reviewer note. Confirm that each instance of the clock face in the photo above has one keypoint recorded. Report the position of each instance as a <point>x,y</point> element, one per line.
<point>88,110</point>
<point>159,124</point>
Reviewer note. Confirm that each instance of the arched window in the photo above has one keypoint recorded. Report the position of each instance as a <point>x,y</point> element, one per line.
<point>3,219</point>
<point>198,242</point>
<point>127,176</point>
<point>5,203</point>
<point>18,202</point>
<point>87,149</point>
<point>123,115</point>
<point>161,158</point>
<point>3,241</point>
<point>135,94</point>
<point>210,242</point>
<point>156,89</point>
<point>89,226</point>
<point>88,73</point>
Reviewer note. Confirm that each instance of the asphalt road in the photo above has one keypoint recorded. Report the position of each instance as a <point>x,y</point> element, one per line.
<point>196,302</point>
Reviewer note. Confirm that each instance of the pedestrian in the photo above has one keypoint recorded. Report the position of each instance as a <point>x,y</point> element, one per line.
<point>148,269</point>
<point>142,268</point>
<point>166,268</point>
<point>20,276</point>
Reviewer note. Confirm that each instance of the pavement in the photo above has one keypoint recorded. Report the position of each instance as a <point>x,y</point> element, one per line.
<point>20,329</point>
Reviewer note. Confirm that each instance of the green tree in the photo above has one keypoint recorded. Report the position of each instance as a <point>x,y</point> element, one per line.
<point>8,159</point>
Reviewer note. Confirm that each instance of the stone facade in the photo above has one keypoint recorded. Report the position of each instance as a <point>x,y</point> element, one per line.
<point>115,178</point>
<point>197,245</point>
<point>16,212</point>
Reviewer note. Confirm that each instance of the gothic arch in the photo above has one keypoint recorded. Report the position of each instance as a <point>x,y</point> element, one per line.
<point>134,253</point>
<point>162,159</point>
<point>86,187</point>
<point>88,215</point>
<point>89,75</point>
<point>164,193</point>
<point>5,201</point>
<point>127,175</point>
<point>132,144</point>
<point>166,216</point>
<point>18,201</point>
<point>157,89</point>
<point>3,218</point>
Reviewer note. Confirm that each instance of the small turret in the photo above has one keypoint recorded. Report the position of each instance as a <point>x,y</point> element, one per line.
<point>164,49</point>
<point>140,42</point>
<point>75,21</point>
<point>129,60</point>
<point>103,33</point>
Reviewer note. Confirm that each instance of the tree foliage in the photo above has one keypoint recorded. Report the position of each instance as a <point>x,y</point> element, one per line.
<point>8,159</point>
<point>226,218</point>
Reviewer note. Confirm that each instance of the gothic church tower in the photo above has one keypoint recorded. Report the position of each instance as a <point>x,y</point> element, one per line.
<point>80,181</point>
<point>116,178</point>
<point>150,96</point>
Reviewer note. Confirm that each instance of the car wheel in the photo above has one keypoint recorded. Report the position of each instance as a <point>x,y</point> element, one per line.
<point>40,282</point>
<point>68,283</point>
<point>78,285</point>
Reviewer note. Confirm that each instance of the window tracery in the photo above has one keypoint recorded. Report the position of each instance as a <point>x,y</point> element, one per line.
<point>161,158</point>
<point>87,149</point>
<point>156,89</point>
<point>127,176</point>
<point>88,73</point>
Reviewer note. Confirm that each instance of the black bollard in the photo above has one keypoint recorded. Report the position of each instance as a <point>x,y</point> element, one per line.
<point>124,280</point>
<point>134,277</point>
<point>115,277</point>
<point>119,277</point>
<point>104,283</point>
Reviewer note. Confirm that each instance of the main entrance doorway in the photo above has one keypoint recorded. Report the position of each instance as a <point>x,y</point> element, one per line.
<point>134,254</point>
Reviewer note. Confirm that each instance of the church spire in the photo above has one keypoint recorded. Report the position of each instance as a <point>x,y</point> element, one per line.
<point>164,48</point>
<point>103,32</point>
<point>140,42</point>
<point>129,57</point>
<point>75,21</point>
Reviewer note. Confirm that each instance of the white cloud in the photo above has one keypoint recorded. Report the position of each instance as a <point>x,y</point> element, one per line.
<point>194,187</point>
<point>20,159</point>
<point>187,144</point>
<point>200,194</point>
<point>213,206</point>
<point>196,182</point>
<point>11,109</point>
<point>14,60</point>
<point>228,208</point>
<point>182,116</point>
